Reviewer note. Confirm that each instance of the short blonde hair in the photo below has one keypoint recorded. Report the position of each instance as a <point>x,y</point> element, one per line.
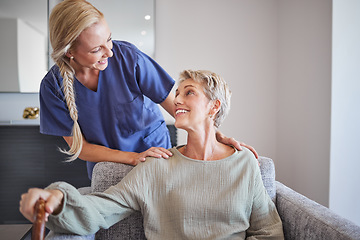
<point>215,88</point>
<point>67,21</point>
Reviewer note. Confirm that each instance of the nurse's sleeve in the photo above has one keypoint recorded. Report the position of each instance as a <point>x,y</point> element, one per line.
<point>265,222</point>
<point>153,80</point>
<point>54,114</point>
<point>86,214</point>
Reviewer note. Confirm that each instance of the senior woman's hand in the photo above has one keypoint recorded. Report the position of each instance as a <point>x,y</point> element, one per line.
<point>231,141</point>
<point>53,205</point>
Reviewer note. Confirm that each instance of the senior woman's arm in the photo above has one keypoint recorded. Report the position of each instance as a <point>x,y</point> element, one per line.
<point>86,214</point>
<point>265,222</point>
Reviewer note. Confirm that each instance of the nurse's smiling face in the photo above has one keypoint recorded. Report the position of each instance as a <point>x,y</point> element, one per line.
<point>93,47</point>
<point>192,107</point>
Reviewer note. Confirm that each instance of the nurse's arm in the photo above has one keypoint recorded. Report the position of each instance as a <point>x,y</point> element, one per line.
<point>168,104</point>
<point>97,153</point>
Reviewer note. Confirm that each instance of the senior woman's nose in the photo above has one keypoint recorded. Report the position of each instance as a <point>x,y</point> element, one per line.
<point>177,100</point>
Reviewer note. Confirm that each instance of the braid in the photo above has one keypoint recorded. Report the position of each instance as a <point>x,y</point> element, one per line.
<point>67,73</point>
<point>67,21</point>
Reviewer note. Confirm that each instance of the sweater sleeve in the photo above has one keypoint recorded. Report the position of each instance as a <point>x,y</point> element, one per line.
<point>265,222</point>
<point>86,214</point>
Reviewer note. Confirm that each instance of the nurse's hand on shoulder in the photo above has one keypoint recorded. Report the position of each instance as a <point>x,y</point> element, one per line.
<point>232,142</point>
<point>53,205</point>
<point>156,152</point>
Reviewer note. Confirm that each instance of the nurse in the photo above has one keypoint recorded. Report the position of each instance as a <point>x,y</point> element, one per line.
<point>101,96</point>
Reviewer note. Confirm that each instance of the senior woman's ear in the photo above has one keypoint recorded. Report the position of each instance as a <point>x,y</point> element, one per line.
<point>216,107</point>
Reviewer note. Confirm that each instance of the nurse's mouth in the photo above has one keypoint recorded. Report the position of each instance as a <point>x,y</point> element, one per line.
<point>103,61</point>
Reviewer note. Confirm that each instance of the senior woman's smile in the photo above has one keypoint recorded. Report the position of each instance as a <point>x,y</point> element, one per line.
<point>180,111</point>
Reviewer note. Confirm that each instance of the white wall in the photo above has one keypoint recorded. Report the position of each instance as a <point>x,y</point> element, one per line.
<point>8,58</point>
<point>238,40</point>
<point>23,58</point>
<point>304,97</point>
<point>32,57</point>
<point>276,57</point>
<point>345,115</point>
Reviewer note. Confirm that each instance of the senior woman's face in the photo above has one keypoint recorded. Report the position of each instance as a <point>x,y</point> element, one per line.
<point>94,46</point>
<point>192,107</point>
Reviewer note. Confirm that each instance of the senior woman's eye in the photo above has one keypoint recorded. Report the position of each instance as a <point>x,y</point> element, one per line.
<point>190,92</point>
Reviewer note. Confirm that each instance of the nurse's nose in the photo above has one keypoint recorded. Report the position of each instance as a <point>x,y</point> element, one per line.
<point>108,52</point>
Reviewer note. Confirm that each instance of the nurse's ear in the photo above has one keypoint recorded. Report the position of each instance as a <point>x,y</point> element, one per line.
<point>69,55</point>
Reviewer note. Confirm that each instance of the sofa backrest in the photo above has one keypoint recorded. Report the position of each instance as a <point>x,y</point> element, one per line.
<point>106,174</point>
<point>267,169</point>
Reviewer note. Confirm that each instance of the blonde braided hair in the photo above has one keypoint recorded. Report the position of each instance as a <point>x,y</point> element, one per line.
<point>67,21</point>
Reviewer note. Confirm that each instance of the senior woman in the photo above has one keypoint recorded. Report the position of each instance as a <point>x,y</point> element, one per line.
<point>205,190</point>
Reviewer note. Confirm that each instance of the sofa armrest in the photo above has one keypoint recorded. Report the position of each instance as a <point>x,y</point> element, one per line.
<point>305,219</point>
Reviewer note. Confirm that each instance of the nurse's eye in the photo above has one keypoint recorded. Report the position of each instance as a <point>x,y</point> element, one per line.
<point>96,50</point>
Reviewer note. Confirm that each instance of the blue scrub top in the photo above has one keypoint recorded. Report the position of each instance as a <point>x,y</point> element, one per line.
<point>122,114</point>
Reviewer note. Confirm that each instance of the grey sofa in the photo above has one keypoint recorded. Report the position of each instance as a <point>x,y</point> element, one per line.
<point>302,218</point>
